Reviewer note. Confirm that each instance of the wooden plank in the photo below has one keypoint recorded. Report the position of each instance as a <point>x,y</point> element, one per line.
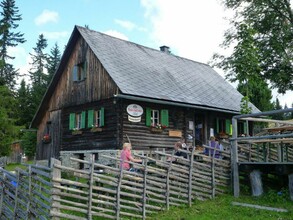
<point>267,120</point>
<point>259,207</point>
<point>290,177</point>
<point>190,178</point>
<point>144,189</point>
<point>91,182</point>
<point>168,181</point>
<point>56,174</point>
<point>118,193</point>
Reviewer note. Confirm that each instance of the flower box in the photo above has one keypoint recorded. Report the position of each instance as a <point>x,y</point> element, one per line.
<point>46,139</point>
<point>76,132</point>
<point>94,129</point>
<point>156,130</point>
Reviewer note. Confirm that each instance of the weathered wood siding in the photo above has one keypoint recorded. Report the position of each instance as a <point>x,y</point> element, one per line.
<point>97,85</point>
<point>141,136</point>
<point>105,139</point>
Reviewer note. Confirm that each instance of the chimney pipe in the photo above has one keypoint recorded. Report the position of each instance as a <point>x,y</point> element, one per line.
<point>165,49</point>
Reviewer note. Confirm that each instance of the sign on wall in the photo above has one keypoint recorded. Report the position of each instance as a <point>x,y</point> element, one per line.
<point>134,112</point>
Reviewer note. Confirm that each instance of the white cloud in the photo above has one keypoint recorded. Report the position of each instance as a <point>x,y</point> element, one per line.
<point>17,52</point>
<point>47,16</point>
<point>117,34</point>
<point>55,35</point>
<point>125,24</point>
<point>192,29</point>
<point>128,25</point>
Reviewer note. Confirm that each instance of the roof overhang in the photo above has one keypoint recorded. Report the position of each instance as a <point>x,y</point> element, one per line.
<point>179,104</point>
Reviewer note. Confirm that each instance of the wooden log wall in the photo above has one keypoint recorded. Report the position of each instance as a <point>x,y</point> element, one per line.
<point>88,140</point>
<point>96,86</point>
<point>141,135</point>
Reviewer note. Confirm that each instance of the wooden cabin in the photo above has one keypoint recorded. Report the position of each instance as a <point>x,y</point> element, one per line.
<point>106,90</point>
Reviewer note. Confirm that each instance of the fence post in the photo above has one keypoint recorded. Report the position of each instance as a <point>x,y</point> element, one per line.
<point>2,193</point>
<point>56,174</point>
<point>28,207</point>
<point>118,192</point>
<point>16,195</point>
<point>144,190</point>
<point>234,159</point>
<point>290,177</point>
<point>91,182</point>
<point>190,178</point>
<point>213,173</point>
<point>168,182</point>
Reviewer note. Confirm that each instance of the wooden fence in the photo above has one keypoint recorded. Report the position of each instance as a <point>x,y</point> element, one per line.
<point>25,194</point>
<point>99,191</point>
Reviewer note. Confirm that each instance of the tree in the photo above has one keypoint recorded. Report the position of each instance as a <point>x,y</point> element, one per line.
<point>278,106</point>
<point>37,72</point>
<point>53,61</point>
<point>268,27</point>
<point>29,143</point>
<point>9,38</point>
<point>24,105</point>
<point>258,93</point>
<point>8,130</point>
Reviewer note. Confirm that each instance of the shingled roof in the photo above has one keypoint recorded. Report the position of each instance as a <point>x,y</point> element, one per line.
<point>140,71</point>
<point>146,72</point>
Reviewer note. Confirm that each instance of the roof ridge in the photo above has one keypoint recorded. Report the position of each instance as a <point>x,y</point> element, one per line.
<point>147,47</point>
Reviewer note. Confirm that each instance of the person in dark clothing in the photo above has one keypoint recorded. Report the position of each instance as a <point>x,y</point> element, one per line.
<point>177,146</point>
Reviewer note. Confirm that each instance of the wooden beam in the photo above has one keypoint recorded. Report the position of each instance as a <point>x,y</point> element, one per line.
<point>266,120</point>
<point>259,207</point>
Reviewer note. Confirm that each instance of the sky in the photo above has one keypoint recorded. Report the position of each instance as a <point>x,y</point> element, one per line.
<point>192,29</point>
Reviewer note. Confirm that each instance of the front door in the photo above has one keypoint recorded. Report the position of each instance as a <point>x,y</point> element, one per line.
<point>199,131</point>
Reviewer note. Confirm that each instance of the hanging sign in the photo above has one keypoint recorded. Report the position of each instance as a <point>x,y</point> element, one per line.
<point>134,119</point>
<point>134,110</point>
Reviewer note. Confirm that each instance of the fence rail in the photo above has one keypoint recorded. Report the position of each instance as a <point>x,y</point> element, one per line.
<point>102,191</point>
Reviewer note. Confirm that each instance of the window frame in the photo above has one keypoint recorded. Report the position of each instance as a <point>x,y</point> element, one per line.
<point>154,117</point>
<point>79,72</point>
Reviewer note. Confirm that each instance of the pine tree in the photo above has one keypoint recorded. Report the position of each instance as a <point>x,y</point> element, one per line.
<point>278,106</point>
<point>25,112</point>
<point>8,130</point>
<point>53,61</point>
<point>9,38</point>
<point>37,72</point>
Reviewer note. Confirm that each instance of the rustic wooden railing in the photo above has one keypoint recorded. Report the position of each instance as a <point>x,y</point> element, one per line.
<point>103,191</point>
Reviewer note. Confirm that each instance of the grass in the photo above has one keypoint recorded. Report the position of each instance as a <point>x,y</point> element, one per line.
<point>221,208</point>
<point>13,166</point>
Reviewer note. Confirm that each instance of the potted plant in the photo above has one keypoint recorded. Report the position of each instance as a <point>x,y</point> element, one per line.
<point>157,128</point>
<point>76,131</point>
<point>46,139</point>
<point>96,128</point>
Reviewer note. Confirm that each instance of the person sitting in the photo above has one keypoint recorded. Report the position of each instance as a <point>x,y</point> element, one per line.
<point>126,156</point>
<point>213,144</point>
<point>177,146</point>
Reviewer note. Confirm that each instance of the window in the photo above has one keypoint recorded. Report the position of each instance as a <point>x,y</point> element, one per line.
<point>223,126</point>
<point>96,118</point>
<point>77,120</point>
<point>79,72</point>
<point>154,117</point>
